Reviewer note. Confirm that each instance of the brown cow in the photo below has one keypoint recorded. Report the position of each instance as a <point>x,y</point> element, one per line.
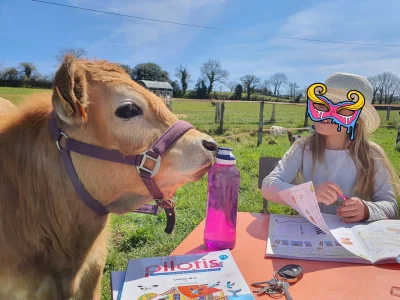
<point>52,245</point>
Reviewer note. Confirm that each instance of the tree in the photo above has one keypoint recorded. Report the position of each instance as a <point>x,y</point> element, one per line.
<point>182,73</point>
<point>277,80</point>
<point>10,73</point>
<point>201,89</point>
<point>238,92</point>
<point>150,71</point>
<point>249,82</point>
<point>212,72</point>
<point>77,52</point>
<point>176,89</point>
<point>127,69</point>
<point>375,85</point>
<point>27,68</point>
<point>386,83</point>
<point>293,86</point>
<point>232,85</point>
<point>264,87</point>
<point>1,69</point>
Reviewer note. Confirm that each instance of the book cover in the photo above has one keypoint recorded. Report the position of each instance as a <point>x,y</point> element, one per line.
<point>204,276</point>
<point>117,281</point>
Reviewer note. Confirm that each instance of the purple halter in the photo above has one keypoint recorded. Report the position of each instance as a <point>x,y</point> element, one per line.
<point>154,153</point>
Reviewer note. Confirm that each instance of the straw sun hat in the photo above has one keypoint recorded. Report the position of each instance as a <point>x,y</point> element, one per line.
<point>339,84</point>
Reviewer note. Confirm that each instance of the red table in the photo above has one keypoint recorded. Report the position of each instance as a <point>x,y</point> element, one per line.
<point>321,280</point>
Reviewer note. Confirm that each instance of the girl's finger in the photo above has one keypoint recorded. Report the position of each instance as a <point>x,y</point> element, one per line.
<point>335,187</point>
<point>344,208</point>
<point>324,199</point>
<point>348,214</point>
<point>352,219</point>
<point>332,197</point>
<point>331,191</point>
<point>348,202</point>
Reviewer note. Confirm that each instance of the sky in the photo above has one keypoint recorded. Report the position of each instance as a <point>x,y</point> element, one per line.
<point>34,32</point>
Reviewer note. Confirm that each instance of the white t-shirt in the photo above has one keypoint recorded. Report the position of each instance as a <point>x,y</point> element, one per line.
<point>339,168</point>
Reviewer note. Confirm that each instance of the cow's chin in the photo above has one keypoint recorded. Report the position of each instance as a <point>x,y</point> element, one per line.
<point>169,188</point>
<point>196,176</point>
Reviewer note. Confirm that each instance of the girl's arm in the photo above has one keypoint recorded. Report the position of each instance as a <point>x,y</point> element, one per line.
<point>283,174</point>
<point>383,204</point>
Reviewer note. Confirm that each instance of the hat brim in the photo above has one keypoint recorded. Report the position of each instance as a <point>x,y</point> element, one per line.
<point>368,114</point>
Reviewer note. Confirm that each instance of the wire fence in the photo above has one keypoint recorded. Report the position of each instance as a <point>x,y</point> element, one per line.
<point>233,118</point>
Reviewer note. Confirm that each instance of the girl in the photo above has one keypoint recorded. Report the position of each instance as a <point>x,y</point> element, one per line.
<point>340,161</point>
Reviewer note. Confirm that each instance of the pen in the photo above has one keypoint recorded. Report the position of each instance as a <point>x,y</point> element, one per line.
<point>344,197</point>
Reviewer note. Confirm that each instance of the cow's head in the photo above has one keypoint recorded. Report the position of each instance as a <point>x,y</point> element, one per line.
<point>98,103</point>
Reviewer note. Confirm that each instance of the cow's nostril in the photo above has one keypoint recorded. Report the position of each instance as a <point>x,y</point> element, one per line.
<point>210,145</point>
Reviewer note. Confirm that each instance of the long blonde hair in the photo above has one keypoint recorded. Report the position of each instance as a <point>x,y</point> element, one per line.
<point>364,153</point>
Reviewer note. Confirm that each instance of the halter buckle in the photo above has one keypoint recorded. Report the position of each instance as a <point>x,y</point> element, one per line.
<point>156,160</point>
<point>170,203</point>
<point>58,142</point>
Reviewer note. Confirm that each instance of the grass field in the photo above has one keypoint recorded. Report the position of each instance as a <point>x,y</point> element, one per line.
<point>135,235</point>
<point>17,95</point>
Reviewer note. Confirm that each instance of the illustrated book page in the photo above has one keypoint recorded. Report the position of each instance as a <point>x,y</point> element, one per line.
<point>212,275</point>
<point>380,239</point>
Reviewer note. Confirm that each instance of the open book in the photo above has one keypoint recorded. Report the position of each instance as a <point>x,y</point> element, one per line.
<point>316,236</point>
<point>209,275</point>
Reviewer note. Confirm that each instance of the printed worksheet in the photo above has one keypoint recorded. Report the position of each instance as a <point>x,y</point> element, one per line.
<point>302,198</point>
<point>297,237</point>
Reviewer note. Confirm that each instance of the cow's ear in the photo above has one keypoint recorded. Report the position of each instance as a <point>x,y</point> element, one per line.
<point>70,92</point>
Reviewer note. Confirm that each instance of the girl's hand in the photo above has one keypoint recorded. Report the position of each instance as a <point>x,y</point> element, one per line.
<point>327,192</point>
<point>353,210</point>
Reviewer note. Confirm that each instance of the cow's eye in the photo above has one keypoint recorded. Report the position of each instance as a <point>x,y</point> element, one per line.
<point>128,110</point>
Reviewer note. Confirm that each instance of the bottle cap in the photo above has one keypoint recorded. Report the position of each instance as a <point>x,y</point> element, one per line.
<point>225,156</point>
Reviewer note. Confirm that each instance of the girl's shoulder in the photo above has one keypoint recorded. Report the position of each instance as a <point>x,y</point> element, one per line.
<point>298,149</point>
<point>300,145</point>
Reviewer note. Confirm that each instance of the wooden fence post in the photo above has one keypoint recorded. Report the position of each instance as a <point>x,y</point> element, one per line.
<point>169,104</point>
<point>217,112</point>
<point>388,113</point>
<point>272,120</point>
<point>221,124</point>
<point>305,119</point>
<point>260,123</point>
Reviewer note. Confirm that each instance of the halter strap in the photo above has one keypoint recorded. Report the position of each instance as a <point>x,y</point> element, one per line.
<point>154,153</point>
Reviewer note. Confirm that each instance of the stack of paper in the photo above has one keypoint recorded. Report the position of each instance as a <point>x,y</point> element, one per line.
<point>210,275</point>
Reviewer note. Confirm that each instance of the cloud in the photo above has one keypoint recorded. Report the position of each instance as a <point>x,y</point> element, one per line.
<point>132,41</point>
<point>310,23</point>
<point>306,62</point>
<point>147,40</point>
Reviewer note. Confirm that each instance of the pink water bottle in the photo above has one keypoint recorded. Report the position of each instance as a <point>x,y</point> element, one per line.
<point>222,202</point>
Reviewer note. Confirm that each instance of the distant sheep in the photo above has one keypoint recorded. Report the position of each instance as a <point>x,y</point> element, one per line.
<point>277,130</point>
